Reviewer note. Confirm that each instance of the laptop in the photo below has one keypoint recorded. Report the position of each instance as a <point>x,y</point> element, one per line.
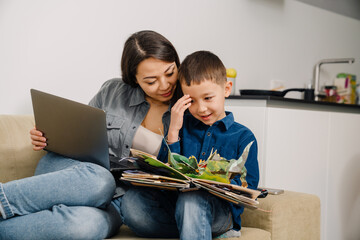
<point>72,129</point>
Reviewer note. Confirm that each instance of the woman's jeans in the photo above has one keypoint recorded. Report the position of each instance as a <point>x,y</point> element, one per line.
<point>191,215</point>
<point>66,199</point>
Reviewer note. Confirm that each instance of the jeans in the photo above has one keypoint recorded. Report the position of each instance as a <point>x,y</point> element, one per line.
<point>66,199</point>
<point>189,215</point>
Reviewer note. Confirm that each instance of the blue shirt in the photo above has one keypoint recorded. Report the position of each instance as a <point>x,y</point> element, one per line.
<point>226,136</point>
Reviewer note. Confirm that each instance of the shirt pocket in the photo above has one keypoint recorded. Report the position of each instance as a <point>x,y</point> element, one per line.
<point>191,149</point>
<point>228,152</point>
<point>113,125</point>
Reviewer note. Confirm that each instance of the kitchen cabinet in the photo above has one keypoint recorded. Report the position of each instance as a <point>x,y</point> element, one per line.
<point>311,148</point>
<point>343,178</point>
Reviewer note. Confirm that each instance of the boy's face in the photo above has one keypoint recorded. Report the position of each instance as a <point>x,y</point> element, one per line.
<point>208,99</point>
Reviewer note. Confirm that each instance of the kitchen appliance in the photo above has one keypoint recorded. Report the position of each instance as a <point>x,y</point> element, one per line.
<point>308,93</point>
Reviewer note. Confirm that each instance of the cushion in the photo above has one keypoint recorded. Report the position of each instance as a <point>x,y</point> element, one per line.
<point>17,159</point>
<point>290,215</point>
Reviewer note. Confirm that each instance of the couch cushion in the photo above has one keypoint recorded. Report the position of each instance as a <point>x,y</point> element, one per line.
<point>286,216</point>
<point>17,159</point>
<point>247,233</point>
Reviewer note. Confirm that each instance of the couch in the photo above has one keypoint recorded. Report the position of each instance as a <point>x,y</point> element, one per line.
<point>291,215</point>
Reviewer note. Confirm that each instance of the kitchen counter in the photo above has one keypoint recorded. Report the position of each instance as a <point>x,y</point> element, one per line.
<point>307,146</point>
<point>281,102</point>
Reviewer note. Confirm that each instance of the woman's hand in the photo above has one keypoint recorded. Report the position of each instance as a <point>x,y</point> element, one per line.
<point>37,139</point>
<point>177,114</point>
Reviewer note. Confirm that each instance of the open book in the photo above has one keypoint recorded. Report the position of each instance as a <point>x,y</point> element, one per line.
<point>154,173</point>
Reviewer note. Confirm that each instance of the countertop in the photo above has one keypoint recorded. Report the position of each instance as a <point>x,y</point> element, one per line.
<point>283,102</point>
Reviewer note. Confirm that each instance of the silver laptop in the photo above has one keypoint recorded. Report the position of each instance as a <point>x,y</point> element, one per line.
<point>72,129</point>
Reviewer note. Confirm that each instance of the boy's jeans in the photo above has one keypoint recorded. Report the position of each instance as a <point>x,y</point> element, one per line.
<point>156,213</point>
<point>66,199</point>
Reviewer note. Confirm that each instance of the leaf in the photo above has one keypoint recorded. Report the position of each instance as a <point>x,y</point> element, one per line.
<point>183,164</point>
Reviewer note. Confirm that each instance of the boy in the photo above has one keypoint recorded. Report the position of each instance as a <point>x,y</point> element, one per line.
<point>202,76</point>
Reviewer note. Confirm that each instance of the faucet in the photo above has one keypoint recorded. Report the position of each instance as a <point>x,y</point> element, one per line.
<point>317,72</point>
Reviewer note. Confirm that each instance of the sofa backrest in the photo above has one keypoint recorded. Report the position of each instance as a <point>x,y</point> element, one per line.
<point>17,158</point>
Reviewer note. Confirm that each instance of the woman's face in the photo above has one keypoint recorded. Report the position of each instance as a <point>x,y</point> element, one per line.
<point>158,79</point>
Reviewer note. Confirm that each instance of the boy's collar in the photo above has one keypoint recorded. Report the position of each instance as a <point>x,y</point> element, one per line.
<point>226,122</point>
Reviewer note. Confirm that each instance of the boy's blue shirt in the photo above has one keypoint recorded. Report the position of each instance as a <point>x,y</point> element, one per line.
<point>226,136</point>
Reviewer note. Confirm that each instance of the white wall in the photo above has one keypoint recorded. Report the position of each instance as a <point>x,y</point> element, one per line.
<point>350,8</point>
<point>70,48</point>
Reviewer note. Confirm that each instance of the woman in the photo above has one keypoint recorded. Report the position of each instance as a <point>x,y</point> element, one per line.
<point>69,199</point>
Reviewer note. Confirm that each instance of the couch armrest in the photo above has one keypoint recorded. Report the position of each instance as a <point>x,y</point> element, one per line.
<point>291,215</point>
<point>17,159</point>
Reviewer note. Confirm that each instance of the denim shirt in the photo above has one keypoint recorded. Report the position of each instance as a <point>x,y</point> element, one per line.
<point>226,136</point>
<point>125,109</point>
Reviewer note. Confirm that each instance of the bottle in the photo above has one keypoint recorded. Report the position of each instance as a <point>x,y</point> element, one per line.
<point>231,77</point>
<point>331,94</point>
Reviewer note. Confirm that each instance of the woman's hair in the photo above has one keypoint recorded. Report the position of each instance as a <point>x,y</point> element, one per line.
<point>143,45</point>
<point>200,66</point>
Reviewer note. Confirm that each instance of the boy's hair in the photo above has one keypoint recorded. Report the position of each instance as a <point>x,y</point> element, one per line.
<point>143,45</point>
<point>200,66</point>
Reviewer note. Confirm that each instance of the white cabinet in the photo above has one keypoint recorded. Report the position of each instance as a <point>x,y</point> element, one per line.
<point>296,149</point>
<point>307,150</point>
<point>343,178</point>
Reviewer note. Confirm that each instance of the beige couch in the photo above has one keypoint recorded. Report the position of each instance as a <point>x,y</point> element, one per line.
<point>291,215</point>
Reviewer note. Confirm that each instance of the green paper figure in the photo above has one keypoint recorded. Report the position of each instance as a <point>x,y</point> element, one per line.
<point>215,168</point>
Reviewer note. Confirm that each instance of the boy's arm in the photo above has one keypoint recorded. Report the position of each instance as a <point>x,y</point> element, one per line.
<point>176,120</point>
<point>252,166</point>
<point>252,177</point>
<point>164,150</point>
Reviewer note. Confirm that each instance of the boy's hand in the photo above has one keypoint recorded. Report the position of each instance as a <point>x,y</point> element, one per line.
<point>177,114</point>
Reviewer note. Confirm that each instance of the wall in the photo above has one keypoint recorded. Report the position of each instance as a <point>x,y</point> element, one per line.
<point>70,48</point>
<point>350,8</point>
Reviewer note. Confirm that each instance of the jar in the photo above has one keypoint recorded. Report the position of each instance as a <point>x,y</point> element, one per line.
<point>331,94</point>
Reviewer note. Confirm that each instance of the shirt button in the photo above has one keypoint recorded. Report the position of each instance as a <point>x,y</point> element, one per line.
<point>109,124</point>
<point>203,153</point>
<point>134,127</point>
<point>209,134</point>
<point>127,146</point>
